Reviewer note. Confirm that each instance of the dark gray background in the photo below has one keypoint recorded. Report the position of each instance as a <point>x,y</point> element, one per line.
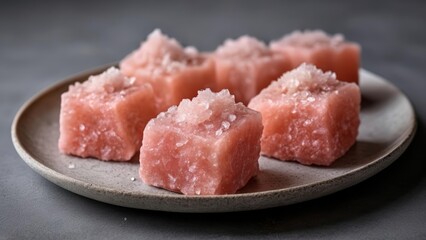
<point>44,42</point>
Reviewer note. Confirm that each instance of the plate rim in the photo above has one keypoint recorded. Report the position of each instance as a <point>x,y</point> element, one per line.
<point>70,183</point>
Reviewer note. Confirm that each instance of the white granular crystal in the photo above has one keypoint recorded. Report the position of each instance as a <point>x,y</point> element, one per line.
<point>166,61</point>
<point>106,150</point>
<point>71,166</point>
<point>149,124</point>
<point>198,191</point>
<point>181,143</point>
<point>133,179</point>
<point>132,80</point>
<point>296,82</point>
<point>232,117</point>
<point>205,105</point>
<point>82,127</point>
<point>226,125</point>
<point>191,50</point>
<point>320,131</point>
<point>307,122</point>
<point>162,115</point>
<point>174,66</point>
<point>310,99</point>
<point>172,109</point>
<point>180,117</point>
<point>244,47</point>
<point>171,178</point>
<point>219,132</point>
<point>310,38</point>
<point>192,168</point>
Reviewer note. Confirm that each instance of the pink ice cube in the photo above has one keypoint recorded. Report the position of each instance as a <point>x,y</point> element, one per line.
<point>206,146</point>
<point>104,117</point>
<point>245,66</point>
<point>174,72</point>
<point>329,53</point>
<point>308,116</point>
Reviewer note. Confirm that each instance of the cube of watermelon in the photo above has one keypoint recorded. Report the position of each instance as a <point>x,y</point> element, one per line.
<point>245,66</point>
<point>206,146</point>
<point>308,116</point>
<point>174,72</point>
<point>104,117</point>
<point>329,53</point>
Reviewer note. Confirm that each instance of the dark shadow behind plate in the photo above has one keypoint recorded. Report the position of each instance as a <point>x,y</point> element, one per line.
<point>387,128</point>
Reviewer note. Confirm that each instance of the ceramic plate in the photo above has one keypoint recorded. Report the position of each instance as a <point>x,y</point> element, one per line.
<point>387,127</point>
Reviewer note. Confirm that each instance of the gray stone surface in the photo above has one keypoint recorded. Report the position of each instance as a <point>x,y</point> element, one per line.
<point>42,43</point>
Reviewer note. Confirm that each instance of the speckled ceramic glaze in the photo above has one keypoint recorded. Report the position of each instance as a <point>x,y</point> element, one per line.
<point>387,127</point>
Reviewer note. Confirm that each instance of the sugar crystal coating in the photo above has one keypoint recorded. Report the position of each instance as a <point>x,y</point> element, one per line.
<point>195,149</point>
<point>104,117</point>
<point>308,116</point>
<point>310,38</point>
<point>243,47</point>
<point>246,65</point>
<point>175,72</point>
<point>327,52</point>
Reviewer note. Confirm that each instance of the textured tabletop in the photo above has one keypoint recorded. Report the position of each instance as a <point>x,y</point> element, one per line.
<point>43,43</point>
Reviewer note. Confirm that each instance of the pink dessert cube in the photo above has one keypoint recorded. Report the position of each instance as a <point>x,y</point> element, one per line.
<point>206,146</point>
<point>245,66</point>
<point>104,117</point>
<point>329,53</point>
<point>174,72</point>
<point>308,116</point>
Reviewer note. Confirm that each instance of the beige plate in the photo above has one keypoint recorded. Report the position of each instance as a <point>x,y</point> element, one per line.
<point>387,127</point>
